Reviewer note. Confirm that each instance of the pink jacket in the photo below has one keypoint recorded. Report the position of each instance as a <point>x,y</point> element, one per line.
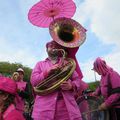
<point>46,104</point>
<point>12,114</point>
<point>108,82</point>
<point>20,101</point>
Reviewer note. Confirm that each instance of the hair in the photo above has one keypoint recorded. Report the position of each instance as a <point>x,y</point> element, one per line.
<point>13,76</point>
<point>8,101</point>
<point>58,46</point>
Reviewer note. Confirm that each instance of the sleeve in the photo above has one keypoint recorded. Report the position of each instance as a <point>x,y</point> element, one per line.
<point>98,91</point>
<point>76,81</point>
<point>114,81</point>
<point>112,99</point>
<point>37,75</point>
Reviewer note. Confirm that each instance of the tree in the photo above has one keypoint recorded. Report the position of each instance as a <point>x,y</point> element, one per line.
<point>93,85</point>
<point>7,69</point>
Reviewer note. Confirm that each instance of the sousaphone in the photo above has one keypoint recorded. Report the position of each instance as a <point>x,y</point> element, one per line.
<point>69,34</point>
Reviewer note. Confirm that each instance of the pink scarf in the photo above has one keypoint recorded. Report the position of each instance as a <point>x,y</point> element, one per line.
<point>101,67</point>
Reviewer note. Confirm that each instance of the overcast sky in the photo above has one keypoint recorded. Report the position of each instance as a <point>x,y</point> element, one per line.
<point>24,43</point>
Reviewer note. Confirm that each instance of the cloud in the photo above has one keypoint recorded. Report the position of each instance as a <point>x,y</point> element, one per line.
<point>20,55</point>
<point>88,74</point>
<point>99,16</point>
<point>111,59</point>
<point>103,16</point>
<point>19,40</point>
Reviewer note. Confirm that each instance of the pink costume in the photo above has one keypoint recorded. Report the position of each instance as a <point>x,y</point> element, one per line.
<point>72,54</point>
<point>110,80</point>
<point>12,114</point>
<point>46,106</point>
<point>21,85</point>
<point>9,86</point>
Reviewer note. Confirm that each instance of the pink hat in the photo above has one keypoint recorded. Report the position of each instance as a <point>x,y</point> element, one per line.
<point>8,85</point>
<point>20,70</point>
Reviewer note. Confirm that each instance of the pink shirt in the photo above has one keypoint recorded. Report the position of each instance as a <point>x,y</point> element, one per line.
<point>21,85</point>
<point>46,104</point>
<point>20,101</point>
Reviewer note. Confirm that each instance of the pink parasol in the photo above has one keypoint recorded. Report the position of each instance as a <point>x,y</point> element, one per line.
<point>45,11</point>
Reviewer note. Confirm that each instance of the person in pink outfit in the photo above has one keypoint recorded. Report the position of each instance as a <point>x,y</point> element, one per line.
<point>21,86</point>
<point>8,92</point>
<point>60,104</point>
<point>109,87</point>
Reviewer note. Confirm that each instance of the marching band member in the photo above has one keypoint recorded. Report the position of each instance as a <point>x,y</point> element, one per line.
<point>21,89</point>
<point>109,87</point>
<point>60,104</point>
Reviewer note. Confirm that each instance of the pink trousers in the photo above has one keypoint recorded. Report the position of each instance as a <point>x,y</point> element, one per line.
<point>60,113</point>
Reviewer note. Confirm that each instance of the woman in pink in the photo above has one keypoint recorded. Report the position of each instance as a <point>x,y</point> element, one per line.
<point>8,91</point>
<point>60,104</point>
<point>109,87</point>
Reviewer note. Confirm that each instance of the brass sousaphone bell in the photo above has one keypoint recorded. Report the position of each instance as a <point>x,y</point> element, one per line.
<point>67,32</point>
<point>70,34</point>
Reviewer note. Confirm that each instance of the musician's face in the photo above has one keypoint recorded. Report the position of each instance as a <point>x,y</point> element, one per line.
<point>21,76</point>
<point>51,51</point>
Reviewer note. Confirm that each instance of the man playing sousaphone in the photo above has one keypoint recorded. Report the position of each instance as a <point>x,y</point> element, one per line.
<point>59,104</point>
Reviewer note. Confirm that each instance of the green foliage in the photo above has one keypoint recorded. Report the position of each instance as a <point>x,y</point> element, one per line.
<point>93,85</point>
<point>7,70</point>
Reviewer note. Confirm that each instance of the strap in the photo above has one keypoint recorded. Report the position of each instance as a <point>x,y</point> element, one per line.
<point>115,90</point>
<point>109,85</point>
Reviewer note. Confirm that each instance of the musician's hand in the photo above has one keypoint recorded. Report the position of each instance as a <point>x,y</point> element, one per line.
<point>94,94</point>
<point>55,66</point>
<point>66,85</point>
<point>103,107</point>
<point>50,71</point>
<point>54,69</point>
